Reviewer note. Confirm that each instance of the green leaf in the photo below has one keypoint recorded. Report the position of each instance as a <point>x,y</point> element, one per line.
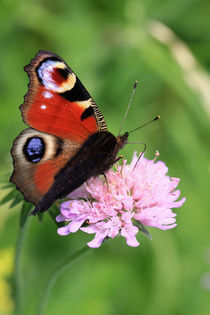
<point>12,195</point>
<point>40,216</point>
<point>16,201</point>
<point>7,186</point>
<point>25,211</point>
<point>9,196</point>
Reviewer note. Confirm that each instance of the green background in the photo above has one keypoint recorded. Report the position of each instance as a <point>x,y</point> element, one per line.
<point>165,45</point>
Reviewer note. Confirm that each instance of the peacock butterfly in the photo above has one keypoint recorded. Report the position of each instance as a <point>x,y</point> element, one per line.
<point>67,142</point>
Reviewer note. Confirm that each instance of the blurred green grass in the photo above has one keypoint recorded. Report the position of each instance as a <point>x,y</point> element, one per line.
<point>165,46</point>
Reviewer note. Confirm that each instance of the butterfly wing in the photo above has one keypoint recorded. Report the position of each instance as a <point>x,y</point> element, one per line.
<point>57,103</point>
<point>62,115</point>
<point>38,157</point>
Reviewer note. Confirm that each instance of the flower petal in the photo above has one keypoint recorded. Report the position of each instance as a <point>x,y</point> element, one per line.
<point>80,192</point>
<point>75,225</point>
<point>98,239</point>
<point>63,230</point>
<point>60,218</point>
<point>129,232</point>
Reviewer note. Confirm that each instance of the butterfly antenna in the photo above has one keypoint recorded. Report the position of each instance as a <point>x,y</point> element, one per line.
<point>128,107</point>
<point>149,122</point>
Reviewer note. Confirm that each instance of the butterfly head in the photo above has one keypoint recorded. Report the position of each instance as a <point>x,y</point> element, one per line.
<point>122,140</point>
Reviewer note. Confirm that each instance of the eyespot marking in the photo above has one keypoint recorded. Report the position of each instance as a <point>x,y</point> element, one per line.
<point>55,75</point>
<point>34,149</point>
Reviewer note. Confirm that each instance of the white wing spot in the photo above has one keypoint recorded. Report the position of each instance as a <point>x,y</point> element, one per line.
<point>43,106</point>
<point>47,94</point>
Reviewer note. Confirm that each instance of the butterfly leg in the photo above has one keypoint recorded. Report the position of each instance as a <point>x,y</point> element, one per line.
<point>121,157</point>
<point>106,180</point>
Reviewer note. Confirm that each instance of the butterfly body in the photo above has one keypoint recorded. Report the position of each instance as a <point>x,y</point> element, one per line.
<point>67,142</point>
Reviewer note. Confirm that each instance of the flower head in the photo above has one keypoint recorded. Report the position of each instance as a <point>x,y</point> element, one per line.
<point>132,195</point>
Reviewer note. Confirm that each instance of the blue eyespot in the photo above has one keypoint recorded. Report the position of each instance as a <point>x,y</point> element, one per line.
<point>34,149</point>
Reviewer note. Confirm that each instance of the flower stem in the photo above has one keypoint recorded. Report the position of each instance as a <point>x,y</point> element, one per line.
<point>66,263</point>
<point>18,275</point>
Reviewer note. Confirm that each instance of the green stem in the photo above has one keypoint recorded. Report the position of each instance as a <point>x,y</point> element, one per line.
<point>18,274</point>
<point>66,263</point>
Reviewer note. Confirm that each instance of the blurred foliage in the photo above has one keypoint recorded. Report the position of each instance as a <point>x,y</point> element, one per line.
<point>165,46</point>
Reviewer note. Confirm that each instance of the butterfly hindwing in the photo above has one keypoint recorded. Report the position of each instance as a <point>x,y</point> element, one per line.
<point>57,103</point>
<point>38,157</point>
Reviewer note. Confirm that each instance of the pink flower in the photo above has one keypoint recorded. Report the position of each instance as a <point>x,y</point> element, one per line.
<point>134,195</point>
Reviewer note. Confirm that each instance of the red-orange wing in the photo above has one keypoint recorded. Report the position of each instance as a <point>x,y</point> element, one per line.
<point>57,103</point>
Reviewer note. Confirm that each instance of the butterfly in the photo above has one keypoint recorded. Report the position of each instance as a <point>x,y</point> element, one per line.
<point>67,141</point>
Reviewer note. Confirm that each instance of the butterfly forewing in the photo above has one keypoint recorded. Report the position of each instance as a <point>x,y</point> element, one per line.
<point>57,103</point>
